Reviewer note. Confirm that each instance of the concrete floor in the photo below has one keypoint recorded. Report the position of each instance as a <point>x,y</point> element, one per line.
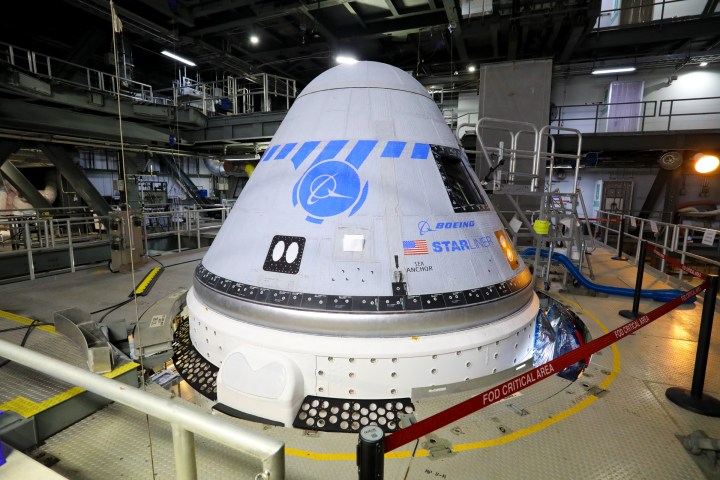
<point>613,423</point>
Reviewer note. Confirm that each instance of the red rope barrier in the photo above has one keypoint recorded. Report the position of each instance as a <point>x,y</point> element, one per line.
<point>676,263</point>
<point>495,394</point>
<point>608,220</point>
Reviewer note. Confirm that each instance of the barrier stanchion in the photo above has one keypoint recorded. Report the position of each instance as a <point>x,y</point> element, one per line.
<point>371,453</point>
<point>638,286</point>
<point>695,400</point>
<point>621,240</point>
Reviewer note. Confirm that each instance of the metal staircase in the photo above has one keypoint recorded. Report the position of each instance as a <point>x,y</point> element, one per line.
<point>555,225</point>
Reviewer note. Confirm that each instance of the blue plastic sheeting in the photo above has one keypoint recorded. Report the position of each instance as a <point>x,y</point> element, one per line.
<point>544,350</point>
<point>557,332</point>
<point>658,295</point>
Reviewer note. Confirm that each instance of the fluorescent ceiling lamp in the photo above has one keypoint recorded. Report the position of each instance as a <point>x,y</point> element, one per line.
<point>254,39</point>
<point>471,68</point>
<point>706,163</point>
<point>703,64</point>
<point>178,58</point>
<point>603,71</point>
<point>346,59</point>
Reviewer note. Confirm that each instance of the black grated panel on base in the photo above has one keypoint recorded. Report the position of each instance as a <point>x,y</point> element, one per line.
<point>193,367</point>
<point>345,415</point>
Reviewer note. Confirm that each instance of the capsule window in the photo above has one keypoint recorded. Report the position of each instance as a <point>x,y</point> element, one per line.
<point>462,190</point>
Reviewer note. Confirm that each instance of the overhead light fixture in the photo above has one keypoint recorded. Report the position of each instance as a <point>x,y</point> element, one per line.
<point>346,59</point>
<point>706,163</point>
<point>178,58</point>
<point>254,39</point>
<point>603,71</point>
<point>703,64</point>
<point>471,68</point>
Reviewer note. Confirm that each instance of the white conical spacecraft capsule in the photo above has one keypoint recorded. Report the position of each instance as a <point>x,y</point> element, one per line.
<point>362,266</point>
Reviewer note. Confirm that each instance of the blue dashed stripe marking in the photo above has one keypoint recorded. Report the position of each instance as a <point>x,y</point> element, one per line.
<point>331,149</point>
<point>303,152</point>
<point>357,156</point>
<point>360,152</point>
<point>420,151</point>
<point>393,149</point>
<point>285,151</point>
<point>269,153</point>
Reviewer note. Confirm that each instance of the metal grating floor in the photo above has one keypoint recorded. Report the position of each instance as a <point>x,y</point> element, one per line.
<point>612,423</point>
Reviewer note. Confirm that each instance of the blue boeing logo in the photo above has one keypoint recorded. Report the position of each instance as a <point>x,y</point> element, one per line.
<point>424,227</point>
<point>330,187</point>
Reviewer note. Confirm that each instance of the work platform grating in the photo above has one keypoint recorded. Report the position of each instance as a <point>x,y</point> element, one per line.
<point>614,422</point>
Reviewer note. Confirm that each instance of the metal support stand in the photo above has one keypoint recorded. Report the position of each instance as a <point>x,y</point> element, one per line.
<point>695,400</point>
<point>184,448</point>
<point>621,240</point>
<point>634,313</point>
<point>371,453</point>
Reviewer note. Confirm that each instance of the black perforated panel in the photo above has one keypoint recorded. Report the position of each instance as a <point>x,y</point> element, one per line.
<point>284,255</point>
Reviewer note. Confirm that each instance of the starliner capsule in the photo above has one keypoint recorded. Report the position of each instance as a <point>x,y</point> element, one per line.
<point>362,267</point>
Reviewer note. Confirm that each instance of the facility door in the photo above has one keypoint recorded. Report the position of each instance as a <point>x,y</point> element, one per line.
<point>624,106</point>
<point>617,196</point>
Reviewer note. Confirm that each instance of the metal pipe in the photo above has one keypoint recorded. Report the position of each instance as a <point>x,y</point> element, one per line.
<point>197,227</point>
<point>179,241</point>
<point>665,242</point>
<point>684,250</point>
<point>189,417</point>
<point>184,448</point>
<point>28,247</point>
<point>607,227</point>
<point>70,247</point>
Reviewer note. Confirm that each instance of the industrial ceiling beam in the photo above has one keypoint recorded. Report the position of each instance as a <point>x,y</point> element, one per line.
<point>354,14</point>
<point>451,11</point>
<point>410,23</point>
<point>220,6</point>
<point>182,15</point>
<point>76,177</point>
<point>710,7</point>
<point>649,34</point>
<point>391,6</point>
<point>23,186</point>
<point>263,13</point>
<point>7,148</point>
<point>575,34</point>
<point>329,36</point>
<point>130,21</point>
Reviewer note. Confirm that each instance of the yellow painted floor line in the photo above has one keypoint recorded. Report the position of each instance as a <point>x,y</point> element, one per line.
<point>26,407</point>
<point>26,321</point>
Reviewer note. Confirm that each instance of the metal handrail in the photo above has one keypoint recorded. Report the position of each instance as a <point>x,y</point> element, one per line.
<point>44,66</point>
<point>597,117</point>
<point>672,103</point>
<point>31,222</point>
<point>674,236</point>
<point>661,108</point>
<point>649,4</point>
<point>184,419</point>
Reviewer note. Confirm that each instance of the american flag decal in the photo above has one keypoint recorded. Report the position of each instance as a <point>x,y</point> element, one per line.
<point>415,247</point>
